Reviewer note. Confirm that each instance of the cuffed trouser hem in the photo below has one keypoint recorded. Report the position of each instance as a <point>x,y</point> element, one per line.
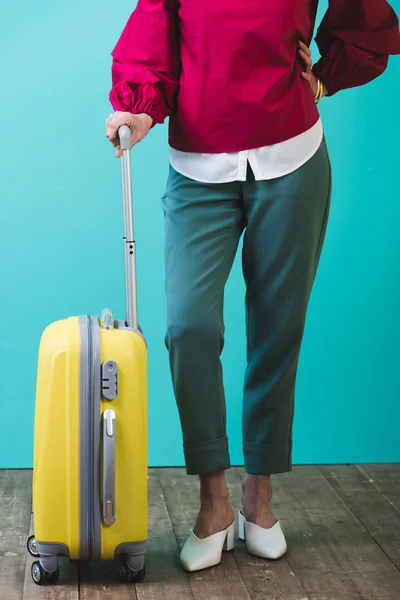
<point>266,459</point>
<point>207,457</point>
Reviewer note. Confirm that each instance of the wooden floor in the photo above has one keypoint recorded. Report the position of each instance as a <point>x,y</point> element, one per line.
<point>342,525</point>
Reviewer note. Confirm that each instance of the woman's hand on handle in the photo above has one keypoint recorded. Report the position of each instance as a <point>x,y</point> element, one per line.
<point>139,125</point>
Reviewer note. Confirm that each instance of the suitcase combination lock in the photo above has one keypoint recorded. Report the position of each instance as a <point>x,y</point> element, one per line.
<point>109,380</point>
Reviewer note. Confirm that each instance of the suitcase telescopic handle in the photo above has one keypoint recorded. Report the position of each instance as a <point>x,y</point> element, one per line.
<point>129,237</point>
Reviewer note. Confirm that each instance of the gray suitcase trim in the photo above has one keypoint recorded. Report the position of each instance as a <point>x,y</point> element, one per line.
<point>49,553</point>
<point>90,514</point>
<point>133,553</point>
<point>121,324</point>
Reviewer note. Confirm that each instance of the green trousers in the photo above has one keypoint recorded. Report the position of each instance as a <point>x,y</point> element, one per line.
<point>284,222</point>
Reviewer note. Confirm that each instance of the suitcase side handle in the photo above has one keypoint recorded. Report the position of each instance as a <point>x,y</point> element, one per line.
<point>129,238</point>
<point>109,467</point>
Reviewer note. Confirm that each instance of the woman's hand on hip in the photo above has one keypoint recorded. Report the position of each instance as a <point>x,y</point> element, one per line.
<point>305,53</point>
<point>139,125</point>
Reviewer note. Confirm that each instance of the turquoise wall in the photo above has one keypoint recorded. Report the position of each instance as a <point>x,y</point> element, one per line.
<point>61,225</point>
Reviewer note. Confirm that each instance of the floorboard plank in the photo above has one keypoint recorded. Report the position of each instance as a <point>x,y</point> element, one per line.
<point>99,581</point>
<point>222,582</point>
<point>371,507</point>
<point>265,580</point>
<point>386,479</point>
<point>15,510</point>
<point>165,578</point>
<point>330,552</point>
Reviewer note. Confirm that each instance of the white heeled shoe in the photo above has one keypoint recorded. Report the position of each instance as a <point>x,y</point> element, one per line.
<point>203,553</point>
<point>265,543</point>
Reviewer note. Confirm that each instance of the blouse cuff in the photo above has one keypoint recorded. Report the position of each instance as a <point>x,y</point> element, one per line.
<point>137,100</point>
<point>346,66</point>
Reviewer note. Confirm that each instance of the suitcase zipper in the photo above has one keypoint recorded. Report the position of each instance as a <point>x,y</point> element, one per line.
<point>90,511</point>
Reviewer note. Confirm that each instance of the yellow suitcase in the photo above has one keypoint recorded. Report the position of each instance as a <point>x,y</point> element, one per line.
<point>90,441</point>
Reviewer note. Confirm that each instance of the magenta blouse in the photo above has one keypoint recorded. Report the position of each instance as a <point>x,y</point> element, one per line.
<point>227,72</point>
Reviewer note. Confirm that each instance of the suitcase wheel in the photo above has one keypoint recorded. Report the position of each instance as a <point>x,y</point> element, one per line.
<point>32,548</point>
<point>126,574</point>
<point>41,577</point>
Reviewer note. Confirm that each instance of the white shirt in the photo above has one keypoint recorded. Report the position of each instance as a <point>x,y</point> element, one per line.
<point>267,162</point>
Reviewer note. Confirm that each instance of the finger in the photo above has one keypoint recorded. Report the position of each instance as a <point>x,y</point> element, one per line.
<point>304,54</point>
<point>307,76</point>
<point>119,119</point>
<point>112,130</point>
<point>112,135</point>
<point>305,48</point>
<point>306,58</point>
<point>311,81</point>
<point>307,67</point>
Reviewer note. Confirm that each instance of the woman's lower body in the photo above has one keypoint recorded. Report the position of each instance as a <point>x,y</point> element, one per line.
<point>284,222</point>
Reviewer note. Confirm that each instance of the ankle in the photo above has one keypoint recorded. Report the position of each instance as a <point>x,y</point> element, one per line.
<point>256,500</point>
<point>259,485</point>
<point>213,488</point>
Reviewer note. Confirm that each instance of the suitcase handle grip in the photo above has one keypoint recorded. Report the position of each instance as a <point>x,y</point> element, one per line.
<point>109,467</point>
<point>129,238</point>
<point>125,135</point>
